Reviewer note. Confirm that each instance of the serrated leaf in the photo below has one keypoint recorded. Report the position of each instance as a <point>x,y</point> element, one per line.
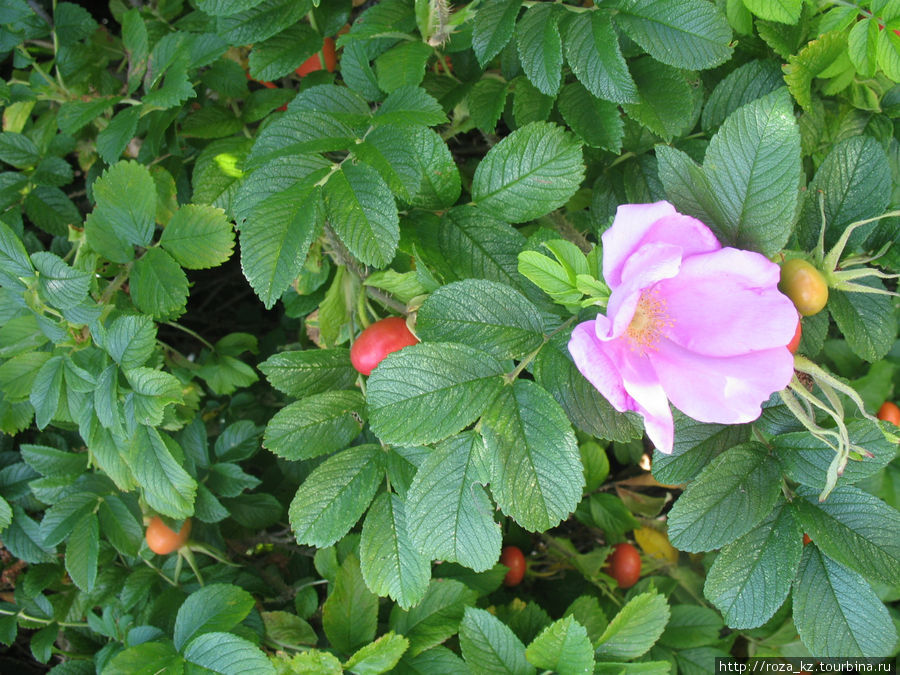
<point>529,173</point>
<point>494,316</point>
<point>736,491</point>
<point>227,654</point>
<point>350,614</point>
<point>112,141</point>
<point>861,319</point>
<point>198,237</point>
<point>216,607</point>
<point>60,285</point>
<point>17,375</point>
<point>751,577</point>
<point>477,245</point>
<point>409,384</point>
<point>130,340</point>
<point>226,7</point>
<point>807,64</point>
<point>52,462</point>
<point>276,236</point>
<point>335,495</point>
<point>494,28</point>
<point>153,391</point>
<point>166,486</point>
<point>563,647</point>
<point>18,150</point>
<point>378,657</point>
<point>125,211</point>
<point>363,213</point>
<point>449,515</point>
<point>592,50</point>
<point>281,54</point>
<point>837,613</point>
<point>298,132</point>
<point>402,65</point>
<point>14,261</point>
<point>159,286</point>
<point>260,21</point>
<point>696,444</point>
<point>489,646</point>
<point>783,11</point>
<point>635,628</point>
<point>391,150</point>
<point>689,34</point>
<point>741,86</point>
<point>391,564</point>
<point>436,618</point>
<point>596,122</point>
<point>61,519</point>
<point>855,529</point>
<point>536,475</point>
<point>119,525</point>
<point>316,425</point>
<point>51,210</point>
<point>665,106</point>
<point>146,658</point>
<point>211,121</point>
<point>82,551</point>
<point>73,115</point>
<point>309,372</point>
<point>540,47</point>
<point>47,390</point>
<point>486,100</point>
<point>440,184</point>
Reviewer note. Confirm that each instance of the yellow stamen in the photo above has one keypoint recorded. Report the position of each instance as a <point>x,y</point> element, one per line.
<point>650,322</point>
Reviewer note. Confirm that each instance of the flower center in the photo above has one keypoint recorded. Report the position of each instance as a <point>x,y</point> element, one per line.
<point>650,322</point>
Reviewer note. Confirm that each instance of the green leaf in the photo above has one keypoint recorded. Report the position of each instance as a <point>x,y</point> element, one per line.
<point>837,613</point>
<point>486,100</point>
<point>783,11</point>
<point>313,371</point>
<point>6,514</point>
<point>125,211</point>
<point>540,47</point>
<point>635,628</point>
<point>316,425</point>
<point>807,64</point>
<point>153,391</point>
<point>49,461</point>
<point>288,630</point>
<point>17,375</point>
<point>741,86</point>
<point>227,654</point>
<point>82,551</point>
<point>211,121</point>
<point>440,184</point>
<point>689,34</point>
<point>665,107</point>
<point>586,407</point>
<point>159,286</point>
<point>402,66</point>
<point>436,617</point>
<point>61,519</point>
<point>449,516</point>
<point>350,614</point>
<point>61,286</point>
<point>390,150</point>
<point>736,491</point>
<point>696,444</point>
<point>529,104</point>
<point>751,577</point>
<point>363,213</point>
<point>298,132</point>
<point>73,115</point>
<point>410,384</point>
<point>854,529</point>
<point>46,391</point>
<point>534,170</point>
<point>14,261</point>
<point>806,459</point>
<point>592,50</point>
<point>130,340</point>
<point>596,122</point>
<point>563,647</point>
<point>51,210</point>
<point>391,564</point>
<point>378,657</point>
<point>146,658</point>
<point>861,319</point>
<point>276,237</point>
<point>489,646</point>
<point>226,7</point>
<point>494,316</point>
<point>260,21</point>
<point>855,180</point>
<point>335,495</point>
<point>112,141</point>
<point>861,46</point>
<point>18,150</point>
<point>217,175</point>
<point>493,28</point>
<point>213,608</point>
<point>198,237</point>
<point>283,53</point>
<point>342,103</point>
<point>536,475</point>
<point>166,486</point>
<point>119,525</point>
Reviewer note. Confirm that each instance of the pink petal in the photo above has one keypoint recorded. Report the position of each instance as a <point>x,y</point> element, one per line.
<point>592,361</point>
<point>637,224</point>
<point>728,389</point>
<point>727,303</point>
<point>645,388</point>
<point>646,266</point>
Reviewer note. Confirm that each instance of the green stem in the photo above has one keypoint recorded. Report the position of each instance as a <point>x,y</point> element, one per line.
<point>27,617</point>
<point>193,334</point>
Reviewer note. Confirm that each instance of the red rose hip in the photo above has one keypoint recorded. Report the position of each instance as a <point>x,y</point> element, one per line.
<point>378,340</point>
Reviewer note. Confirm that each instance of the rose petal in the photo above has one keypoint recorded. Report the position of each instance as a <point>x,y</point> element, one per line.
<point>645,388</point>
<point>589,354</point>
<point>646,266</point>
<point>727,303</point>
<point>638,224</point>
<point>726,389</point>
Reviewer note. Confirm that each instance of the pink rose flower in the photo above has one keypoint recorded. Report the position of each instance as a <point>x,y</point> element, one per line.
<point>688,322</point>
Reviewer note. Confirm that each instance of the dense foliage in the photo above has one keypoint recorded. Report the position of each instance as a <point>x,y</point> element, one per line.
<point>204,203</point>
